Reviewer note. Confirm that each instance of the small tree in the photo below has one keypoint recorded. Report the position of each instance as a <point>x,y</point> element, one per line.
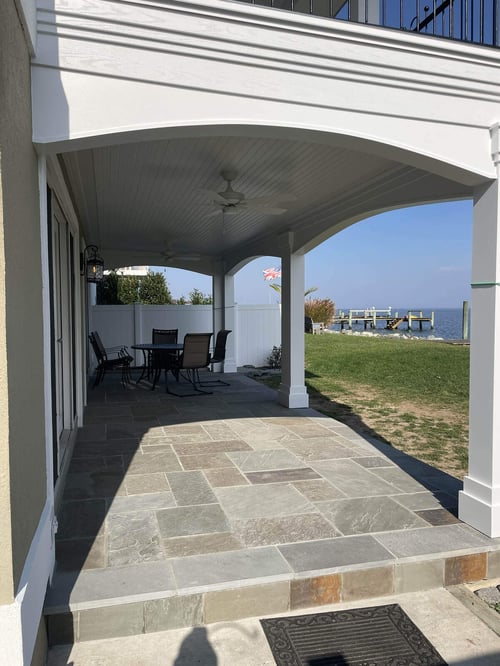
<point>107,290</point>
<point>320,309</point>
<point>199,298</point>
<point>128,289</point>
<point>153,289</point>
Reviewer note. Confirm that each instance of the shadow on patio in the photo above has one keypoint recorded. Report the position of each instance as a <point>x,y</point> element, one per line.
<point>186,511</point>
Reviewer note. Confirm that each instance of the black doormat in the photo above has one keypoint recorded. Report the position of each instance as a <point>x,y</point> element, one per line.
<point>377,636</point>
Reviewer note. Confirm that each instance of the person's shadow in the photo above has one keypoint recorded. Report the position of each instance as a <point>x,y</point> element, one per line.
<point>196,649</point>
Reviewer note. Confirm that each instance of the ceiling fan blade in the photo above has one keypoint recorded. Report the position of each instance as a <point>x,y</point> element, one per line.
<point>266,210</point>
<point>214,196</point>
<point>279,197</point>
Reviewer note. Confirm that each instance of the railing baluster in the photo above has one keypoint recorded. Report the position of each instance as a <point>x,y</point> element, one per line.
<point>495,23</point>
<point>481,22</point>
<point>467,20</point>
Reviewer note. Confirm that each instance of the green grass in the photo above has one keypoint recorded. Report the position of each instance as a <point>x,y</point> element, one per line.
<point>413,394</point>
<point>398,369</point>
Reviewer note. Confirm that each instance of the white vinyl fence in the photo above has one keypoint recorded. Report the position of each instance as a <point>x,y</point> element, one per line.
<point>257,329</point>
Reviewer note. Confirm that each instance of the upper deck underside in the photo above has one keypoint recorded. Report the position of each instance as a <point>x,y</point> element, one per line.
<point>147,102</point>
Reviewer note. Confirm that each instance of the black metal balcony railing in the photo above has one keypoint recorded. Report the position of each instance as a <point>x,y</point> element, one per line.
<point>475,21</point>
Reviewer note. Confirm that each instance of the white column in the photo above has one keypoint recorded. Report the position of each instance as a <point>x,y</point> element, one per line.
<point>292,391</point>
<point>479,502</point>
<point>224,316</point>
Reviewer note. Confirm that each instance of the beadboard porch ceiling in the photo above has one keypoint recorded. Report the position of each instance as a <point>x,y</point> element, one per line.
<point>143,203</point>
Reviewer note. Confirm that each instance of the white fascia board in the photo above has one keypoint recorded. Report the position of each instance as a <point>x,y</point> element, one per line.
<point>19,621</point>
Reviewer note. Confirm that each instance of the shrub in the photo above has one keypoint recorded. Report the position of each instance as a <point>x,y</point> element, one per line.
<point>320,310</point>
<point>274,358</point>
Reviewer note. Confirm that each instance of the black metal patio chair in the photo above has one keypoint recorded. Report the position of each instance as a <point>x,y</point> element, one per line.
<point>109,359</point>
<point>162,360</point>
<point>195,356</point>
<point>218,356</point>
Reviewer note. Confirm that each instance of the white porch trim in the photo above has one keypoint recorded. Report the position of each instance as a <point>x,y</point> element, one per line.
<point>20,620</point>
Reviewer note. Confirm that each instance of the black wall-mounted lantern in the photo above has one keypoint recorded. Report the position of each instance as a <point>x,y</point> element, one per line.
<point>91,264</point>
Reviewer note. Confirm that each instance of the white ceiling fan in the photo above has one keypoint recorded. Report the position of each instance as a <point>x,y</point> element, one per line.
<point>176,251</point>
<point>231,202</point>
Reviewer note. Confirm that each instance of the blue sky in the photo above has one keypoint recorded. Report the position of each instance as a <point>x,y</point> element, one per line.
<point>415,257</point>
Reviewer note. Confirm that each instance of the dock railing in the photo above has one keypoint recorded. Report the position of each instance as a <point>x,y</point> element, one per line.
<point>370,317</point>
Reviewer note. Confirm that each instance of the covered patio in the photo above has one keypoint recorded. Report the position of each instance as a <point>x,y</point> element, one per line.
<point>185,511</point>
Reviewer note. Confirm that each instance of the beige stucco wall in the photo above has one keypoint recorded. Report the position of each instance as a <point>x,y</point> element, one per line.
<point>22,441</point>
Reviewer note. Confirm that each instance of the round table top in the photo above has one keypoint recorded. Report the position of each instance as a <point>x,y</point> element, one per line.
<point>159,346</point>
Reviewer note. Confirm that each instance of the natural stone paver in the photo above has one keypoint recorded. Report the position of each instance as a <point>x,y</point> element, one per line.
<point>287,529</point>
<point>186,520</point>
<point>133,538</point>
<point>319,448</point>
<point>164,460</point>
<point>243,502</point>
<point>256,461</point>
<point>76,554</point>
<point>364,515</point>
<point>209,446</point>
<point>137,484</point>
<point>423,541</point>
<point>216,568</point>
<point>352,479</point>
<point>282,475</point>
<point>229,476</point>
<point>201,543</point>
<point>206,461</point>
<point>191,488</point>
<point>133,503</point>
<point>332,553</point>
<point>318,490</point>
<point>374,461</point>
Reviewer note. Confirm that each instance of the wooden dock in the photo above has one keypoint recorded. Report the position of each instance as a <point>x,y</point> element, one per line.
<point>371,318</point>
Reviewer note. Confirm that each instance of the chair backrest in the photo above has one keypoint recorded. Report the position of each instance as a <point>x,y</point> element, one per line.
<point>220,346</point>
<point>196,352</point>
<point>97,346</point>
<point>164,336</point>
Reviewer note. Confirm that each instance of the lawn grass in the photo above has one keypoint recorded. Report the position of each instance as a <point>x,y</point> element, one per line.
<point>413,394</point>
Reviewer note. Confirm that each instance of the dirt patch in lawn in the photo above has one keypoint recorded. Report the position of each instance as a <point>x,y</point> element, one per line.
<point>436,436</point>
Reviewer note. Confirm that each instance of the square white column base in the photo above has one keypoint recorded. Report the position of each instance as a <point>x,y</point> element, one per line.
<point>478,514</point>
<point>293,397</point>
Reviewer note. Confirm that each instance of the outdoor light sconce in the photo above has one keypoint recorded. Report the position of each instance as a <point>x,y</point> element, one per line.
<point>91,264</point>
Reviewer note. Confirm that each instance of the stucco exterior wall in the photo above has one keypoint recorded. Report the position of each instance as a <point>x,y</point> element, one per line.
<point>22,430</point>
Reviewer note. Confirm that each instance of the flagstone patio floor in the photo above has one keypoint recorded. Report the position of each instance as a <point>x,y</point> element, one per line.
<point>185,511</point>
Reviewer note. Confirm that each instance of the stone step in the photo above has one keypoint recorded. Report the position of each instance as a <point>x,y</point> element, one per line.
<point>131,600</point>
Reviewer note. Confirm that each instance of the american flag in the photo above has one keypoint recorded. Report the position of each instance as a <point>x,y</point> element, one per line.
<point>271,273</point>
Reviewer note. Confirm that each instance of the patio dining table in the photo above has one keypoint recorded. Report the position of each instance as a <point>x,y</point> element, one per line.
<point>148,348</point>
